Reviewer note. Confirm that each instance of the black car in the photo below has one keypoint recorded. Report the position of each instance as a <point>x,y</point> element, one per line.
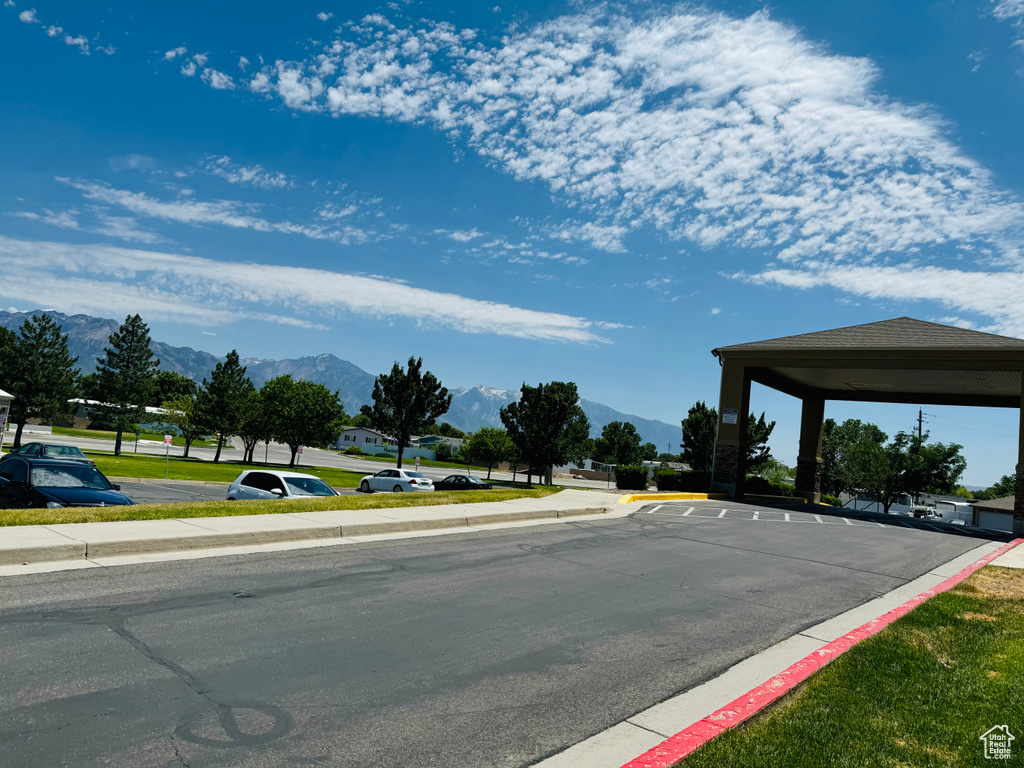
<point>34,482</point>
<point>51,451</point>
<point>461,483</point>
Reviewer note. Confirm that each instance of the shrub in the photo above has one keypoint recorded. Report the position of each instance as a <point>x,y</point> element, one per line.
<point>631,477</point>
<point>354,450</point>
<point>687,482</point>
<point>385,455</point>
<point>831,500</point>
<point>761,487</point>
<point>443,451</point>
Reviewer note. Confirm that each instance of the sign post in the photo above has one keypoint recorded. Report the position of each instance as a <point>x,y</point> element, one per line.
<point>167,453</point>
<point>298,451</point>
<point>417,462</point>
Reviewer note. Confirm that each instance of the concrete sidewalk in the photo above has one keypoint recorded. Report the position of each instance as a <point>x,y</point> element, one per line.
<point>53,547</point>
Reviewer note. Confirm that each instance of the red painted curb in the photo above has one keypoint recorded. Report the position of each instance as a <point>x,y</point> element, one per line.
<point>675,748</point>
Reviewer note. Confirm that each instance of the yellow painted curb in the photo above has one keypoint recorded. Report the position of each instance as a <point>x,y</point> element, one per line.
<point>669,497</point>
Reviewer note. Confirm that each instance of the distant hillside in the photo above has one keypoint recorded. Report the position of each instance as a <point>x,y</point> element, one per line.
<point>471,408</point>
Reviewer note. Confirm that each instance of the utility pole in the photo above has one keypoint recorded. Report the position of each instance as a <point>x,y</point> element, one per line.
<point>920,420</point>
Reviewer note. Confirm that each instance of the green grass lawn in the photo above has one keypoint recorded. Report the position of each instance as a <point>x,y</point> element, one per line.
<point>919,693</point>
<point>228,508</point>
<point>129,437</point>
<point>145,465</point>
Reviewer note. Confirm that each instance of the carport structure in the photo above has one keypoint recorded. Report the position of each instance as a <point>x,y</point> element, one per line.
<point>893,361</point>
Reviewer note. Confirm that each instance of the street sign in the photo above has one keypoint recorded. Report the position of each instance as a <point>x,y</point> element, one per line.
<point>300,449</point>
<point>3,419</point>
<point>417,462</point>
<point>168,439</point>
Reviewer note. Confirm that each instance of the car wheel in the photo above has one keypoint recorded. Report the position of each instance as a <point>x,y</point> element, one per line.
<point>364,487</point>
<point>397,489</point>
<point>231,498</point>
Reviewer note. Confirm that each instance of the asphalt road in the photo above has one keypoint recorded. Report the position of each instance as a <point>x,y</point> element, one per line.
<point>482,649</point>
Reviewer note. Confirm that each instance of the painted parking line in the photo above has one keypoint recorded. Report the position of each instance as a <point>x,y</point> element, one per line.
<point>687,512</point>
<point>722,513</point>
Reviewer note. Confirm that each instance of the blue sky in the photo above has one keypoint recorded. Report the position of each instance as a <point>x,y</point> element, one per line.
<point>524,191</point>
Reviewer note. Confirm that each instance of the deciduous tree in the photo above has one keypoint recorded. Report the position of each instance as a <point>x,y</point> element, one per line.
<point>301,413</point>
<point>182,412</point>
<point>700,428</point>
<point>488,446</point>
<point>407,401</point>
<point>619,443</point>
<point>548,426</point>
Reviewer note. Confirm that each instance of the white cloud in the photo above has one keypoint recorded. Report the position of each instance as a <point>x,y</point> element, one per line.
<point>174,53</point>
<point>200,59</point>
<point>93,278</point>
<point>78,41</point>
<point>253,175</point>
<point>188,69</point>
<point>132,162</point>
<point>243,63</point>
<point>993,294</point>
<point>228,213</point>
<point>462,236</point>
<point>8,3</point>
<point>1008,9</point>
<point>218,80</point>
<point>324,16</point>
<point>709,129</point>
<point>28,17</point>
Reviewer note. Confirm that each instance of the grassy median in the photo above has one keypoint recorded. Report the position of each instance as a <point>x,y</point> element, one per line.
<point>179,510</point>
<point>920,693</point>
<point>127,438</point>
<point>149,466</point>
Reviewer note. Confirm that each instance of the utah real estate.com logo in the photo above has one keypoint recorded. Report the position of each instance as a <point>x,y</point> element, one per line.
<point>997,742</point>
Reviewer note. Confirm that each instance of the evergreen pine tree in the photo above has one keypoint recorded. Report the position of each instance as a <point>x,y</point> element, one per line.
<point>126,375</point>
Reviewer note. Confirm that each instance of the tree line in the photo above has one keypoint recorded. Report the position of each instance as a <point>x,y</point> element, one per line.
<point>545,428</point>
<point>42,376</point>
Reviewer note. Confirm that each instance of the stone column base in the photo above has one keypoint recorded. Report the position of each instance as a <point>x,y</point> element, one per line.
<point>726,478</point>
<point>808,479</point>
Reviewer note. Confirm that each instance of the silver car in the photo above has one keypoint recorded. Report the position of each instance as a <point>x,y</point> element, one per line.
<point>274,484</point>
<point>397,480</point>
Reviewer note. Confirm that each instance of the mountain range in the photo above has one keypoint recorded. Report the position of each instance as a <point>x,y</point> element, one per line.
<point>471,408</point>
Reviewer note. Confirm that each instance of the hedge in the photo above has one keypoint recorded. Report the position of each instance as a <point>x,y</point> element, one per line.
<point>631,477</point>
<point>687,482</point>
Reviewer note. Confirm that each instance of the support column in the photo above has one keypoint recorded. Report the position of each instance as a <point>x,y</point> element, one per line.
<point>1018,497</point>
<point>729,470</point>
<point>808,463</point>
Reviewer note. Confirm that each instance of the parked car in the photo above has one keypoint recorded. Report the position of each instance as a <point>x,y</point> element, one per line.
<point>462,483</point>
<point>29,481</point>
<point>272,484</point>
<point>397,480</point>
<point>50,451</point>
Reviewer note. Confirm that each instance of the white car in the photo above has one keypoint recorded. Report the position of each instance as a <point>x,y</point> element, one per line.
<point>397,480</point>
<point>273,484</point>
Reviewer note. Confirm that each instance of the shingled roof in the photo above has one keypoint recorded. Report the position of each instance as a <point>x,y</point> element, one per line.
<point>900,333</point>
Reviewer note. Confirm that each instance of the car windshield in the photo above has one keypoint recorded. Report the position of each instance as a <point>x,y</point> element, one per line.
<point>77,476</point>
<point>64,450</point>
<point>413,474</point>
<point>308,486</point>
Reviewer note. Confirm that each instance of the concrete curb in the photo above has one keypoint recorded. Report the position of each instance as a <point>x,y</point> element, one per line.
<point>629,499</point>
<point>744,689</point>
<point>26,545</point>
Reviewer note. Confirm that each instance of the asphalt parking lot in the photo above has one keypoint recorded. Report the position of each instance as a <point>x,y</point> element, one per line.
<point>747,513</point>
<point>490,648</point>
